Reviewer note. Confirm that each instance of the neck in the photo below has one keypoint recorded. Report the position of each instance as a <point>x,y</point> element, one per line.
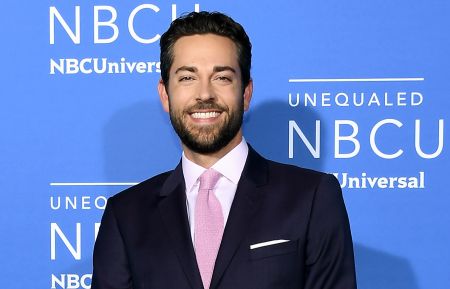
<point>208,160</point>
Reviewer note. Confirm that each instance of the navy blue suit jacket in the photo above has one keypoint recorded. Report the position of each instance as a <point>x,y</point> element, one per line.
<point>144,240</point>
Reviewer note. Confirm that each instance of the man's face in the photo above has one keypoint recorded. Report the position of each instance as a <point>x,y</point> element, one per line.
<point>204,95</point>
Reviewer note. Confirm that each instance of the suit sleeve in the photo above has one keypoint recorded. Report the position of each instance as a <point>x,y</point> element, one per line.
<point>111,268</point>
<point>329,248</point>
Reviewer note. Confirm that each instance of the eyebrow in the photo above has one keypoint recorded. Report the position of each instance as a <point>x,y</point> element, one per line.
<point>194,69</point>
<point>224,68</point>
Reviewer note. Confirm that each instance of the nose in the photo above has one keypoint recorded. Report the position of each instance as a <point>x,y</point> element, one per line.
<point>205,91</point>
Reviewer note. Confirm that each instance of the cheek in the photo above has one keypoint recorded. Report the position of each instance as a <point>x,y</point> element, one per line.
<point>231,95</point>
<point>179,98</point>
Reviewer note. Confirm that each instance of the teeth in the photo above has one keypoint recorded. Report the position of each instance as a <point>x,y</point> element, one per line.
<point>210,114</point>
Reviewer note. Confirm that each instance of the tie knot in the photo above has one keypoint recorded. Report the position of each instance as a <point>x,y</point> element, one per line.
<point>209,179</point>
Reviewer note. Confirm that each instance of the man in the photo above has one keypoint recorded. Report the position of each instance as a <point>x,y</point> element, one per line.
<point>225,217</point>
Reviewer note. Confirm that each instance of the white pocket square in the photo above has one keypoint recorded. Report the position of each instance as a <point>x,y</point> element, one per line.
<point>268,243</point>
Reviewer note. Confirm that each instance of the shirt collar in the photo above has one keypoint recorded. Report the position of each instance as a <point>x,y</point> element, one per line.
<point>230,166</point>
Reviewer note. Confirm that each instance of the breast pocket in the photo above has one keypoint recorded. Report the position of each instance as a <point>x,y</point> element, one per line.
<point>289,247</point>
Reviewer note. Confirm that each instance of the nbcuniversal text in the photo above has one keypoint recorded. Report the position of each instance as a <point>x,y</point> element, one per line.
<point>103,65</point>
<point>70,23</point>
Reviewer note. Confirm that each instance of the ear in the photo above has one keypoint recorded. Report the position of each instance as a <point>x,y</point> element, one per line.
<point>248,91</point>
<point>163,96</point>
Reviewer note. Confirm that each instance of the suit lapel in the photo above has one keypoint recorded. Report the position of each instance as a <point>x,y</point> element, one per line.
<point>172,208</point>
<point>244,207</point>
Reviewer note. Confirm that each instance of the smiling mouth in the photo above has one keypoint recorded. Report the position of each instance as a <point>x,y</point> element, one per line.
<point>205,115</point>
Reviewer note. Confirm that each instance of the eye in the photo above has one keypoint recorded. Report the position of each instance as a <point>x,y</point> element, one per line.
<point>223,78</point>
<point>186,78</point>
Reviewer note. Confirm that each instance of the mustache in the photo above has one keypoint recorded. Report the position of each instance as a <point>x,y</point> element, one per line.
<point>208,104</point>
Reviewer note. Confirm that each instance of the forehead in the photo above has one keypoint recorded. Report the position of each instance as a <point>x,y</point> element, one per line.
<point>204,50</point>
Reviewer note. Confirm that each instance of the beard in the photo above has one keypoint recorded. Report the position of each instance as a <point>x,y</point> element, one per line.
<point>207,139</point>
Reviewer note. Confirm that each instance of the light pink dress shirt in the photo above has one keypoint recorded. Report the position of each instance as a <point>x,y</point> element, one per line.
<point>230,166</point>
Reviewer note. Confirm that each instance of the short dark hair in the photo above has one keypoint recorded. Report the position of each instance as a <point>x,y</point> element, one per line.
<point>203,23</point>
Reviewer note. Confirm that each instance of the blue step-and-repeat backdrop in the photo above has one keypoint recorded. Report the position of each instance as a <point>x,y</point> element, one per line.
<point>356,88</point>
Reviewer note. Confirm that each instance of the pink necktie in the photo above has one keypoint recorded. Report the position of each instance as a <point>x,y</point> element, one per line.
<point>209,225</point>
